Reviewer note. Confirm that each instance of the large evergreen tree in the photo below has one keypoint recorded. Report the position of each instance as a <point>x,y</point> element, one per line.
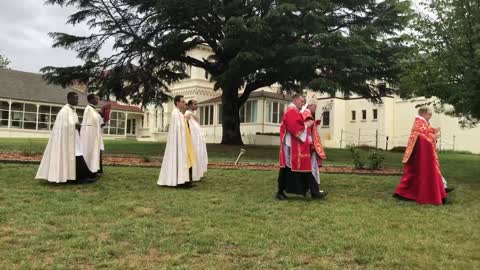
<point>324,45</point>
<point>446,63</point>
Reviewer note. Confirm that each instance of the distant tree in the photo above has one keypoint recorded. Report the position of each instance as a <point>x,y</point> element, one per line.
<point>446,63</point>
<point>4,62</point>
<point>323,45</point>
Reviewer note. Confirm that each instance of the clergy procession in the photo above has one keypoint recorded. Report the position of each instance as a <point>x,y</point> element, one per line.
<point>74,151</point>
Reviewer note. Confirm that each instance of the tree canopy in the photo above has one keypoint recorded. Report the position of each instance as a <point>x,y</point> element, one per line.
<point>446,60</point>
<point>323,45</point>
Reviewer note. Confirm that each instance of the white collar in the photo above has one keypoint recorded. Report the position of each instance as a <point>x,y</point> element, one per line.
<point>293,106</point>
<point>421,118</point>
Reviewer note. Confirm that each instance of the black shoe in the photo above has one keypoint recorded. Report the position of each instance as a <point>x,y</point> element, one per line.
<point>185,185</point>
<point>450,189</point>
<point>395,195</point>
<point>445,201</point>
<point>281,196</point>
<point>319,195</point>
<point>88,180</point>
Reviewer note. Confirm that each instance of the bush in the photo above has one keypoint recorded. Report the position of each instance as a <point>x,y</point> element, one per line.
<point>358,162</point>
<point>146,159</point>
<point>375,160</point>
<point>366,147</point>
<point>399,149</point>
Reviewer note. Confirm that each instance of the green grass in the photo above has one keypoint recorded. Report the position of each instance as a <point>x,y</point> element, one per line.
<point>216,152</point>
<point>230,221</point>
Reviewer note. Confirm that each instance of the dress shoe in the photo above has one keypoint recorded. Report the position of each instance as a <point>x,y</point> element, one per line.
<point>445,201</point>
<point>450,189</point>
<point>395,195</point>
<point>88,180</point>
<point>281,196</point>
<point>319,195</point>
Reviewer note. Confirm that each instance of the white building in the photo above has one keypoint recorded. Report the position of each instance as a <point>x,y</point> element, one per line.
<point>357,121</point>
<point>28,106</point>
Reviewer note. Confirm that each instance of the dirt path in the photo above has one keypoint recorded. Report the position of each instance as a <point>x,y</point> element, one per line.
<point>16,157</point>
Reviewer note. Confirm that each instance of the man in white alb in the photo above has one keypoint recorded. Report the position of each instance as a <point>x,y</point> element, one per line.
<point>198,139</point>
<point>63,159</point>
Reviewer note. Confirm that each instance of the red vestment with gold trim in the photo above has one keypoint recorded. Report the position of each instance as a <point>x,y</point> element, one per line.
<point>294,124</point>
<point>422,178</point>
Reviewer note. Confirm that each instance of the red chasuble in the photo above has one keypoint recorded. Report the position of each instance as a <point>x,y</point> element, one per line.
<point>294,124</point>
<point>316,143</point>
<point>422,179</point>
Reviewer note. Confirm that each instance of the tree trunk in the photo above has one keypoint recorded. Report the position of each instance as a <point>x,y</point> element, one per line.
<point>231,118</point>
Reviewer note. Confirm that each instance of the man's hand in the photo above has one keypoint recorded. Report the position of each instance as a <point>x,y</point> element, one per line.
<point>309,123</point>
<point>437,130</point>
<point>187,117</point>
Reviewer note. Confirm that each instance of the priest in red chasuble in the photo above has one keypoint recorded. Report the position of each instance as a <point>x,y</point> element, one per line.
<point>316,147</point>
<point>422,178</point>
<point>295,164</point>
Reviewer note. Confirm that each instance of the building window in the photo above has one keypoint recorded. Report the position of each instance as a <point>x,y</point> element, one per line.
<point>274,112</point>
<point>131,126</point>
<point>24,115</point>
<point>364,114</point>
<point>354,115</point>
<point>326,119</point>
<point>375,114</point>
<point>220,114</point>
<point>117,123</point>
<point>206,115</point>
<point>4,108</point>
<point>248,112</point>
<point>188,71</point>
<point>47,116</point>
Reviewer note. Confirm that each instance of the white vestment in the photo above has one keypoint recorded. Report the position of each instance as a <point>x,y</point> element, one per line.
<point>174,170</point>
<point>58,161</point>
<point>91,138</point>
<point>198,140</point>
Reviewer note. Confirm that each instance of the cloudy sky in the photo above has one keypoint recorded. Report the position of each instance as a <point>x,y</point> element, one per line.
<point>24,28</point>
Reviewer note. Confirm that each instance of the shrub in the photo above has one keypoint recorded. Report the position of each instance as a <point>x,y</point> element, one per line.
<point>268,133</point>
<point>366,147</point>
<point>375,160</point>
<point>358,162</point>
<point>399,149</point>
<point>146,159</point>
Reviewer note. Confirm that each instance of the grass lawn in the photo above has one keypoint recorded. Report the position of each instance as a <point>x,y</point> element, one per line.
<point>216,152</point>
<point>231,221</point>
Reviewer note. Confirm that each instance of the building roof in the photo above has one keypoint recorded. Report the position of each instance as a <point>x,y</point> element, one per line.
<point>121,107</point>
<point>28,86</point>
<point>31,87</point>
<point>255,94</point>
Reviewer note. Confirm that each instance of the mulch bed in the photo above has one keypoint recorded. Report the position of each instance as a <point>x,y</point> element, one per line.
<point>16,157</point>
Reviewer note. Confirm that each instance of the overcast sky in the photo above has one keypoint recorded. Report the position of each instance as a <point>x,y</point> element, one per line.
<point>24,28</point>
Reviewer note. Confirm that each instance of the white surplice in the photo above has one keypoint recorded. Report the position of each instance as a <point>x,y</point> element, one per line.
<point>174,170</point>
<point>58,161</point>
<point>91,138</point>
<point>198,139</point>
